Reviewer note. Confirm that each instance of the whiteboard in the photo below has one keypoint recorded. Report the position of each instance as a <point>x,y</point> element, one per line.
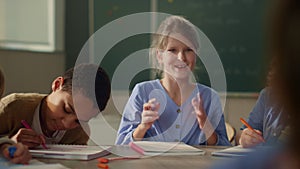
<point>34,25</point>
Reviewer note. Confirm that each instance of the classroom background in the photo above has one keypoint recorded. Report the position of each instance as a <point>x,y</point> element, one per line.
<point>40,39</point>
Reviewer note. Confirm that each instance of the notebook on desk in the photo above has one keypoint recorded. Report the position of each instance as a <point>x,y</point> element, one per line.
<point>235,151</point>
<point>76,152</point>
<point>150,148</point>
<point>32,164</point>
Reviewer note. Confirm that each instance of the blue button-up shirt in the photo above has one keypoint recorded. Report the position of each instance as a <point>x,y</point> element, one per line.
<point>267,117</point>
<point>176,123</point>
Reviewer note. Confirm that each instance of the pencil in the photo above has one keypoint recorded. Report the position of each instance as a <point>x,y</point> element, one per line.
<point>248,126</point>
<point>26,125</point>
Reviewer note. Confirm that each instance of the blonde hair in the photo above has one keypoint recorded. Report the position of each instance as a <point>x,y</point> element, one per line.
<point>171,25</point>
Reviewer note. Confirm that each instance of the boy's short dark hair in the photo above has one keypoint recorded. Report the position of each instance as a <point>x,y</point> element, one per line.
<point>84,75</point>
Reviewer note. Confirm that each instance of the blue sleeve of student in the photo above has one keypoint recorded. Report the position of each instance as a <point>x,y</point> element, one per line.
<point>131,117</point>
<point>256,117</point>
<point>216,118</point>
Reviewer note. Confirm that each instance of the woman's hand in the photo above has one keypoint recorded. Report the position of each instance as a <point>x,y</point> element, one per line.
<point>204,124</point>
<point>199,110</point>
<point>149,115</point>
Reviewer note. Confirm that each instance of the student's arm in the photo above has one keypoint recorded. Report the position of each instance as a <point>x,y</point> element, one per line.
<point>4,120</point>
<point>248,137</point>
<point>28,137</point>
<point>256,116</point>
<point>149,115</point>
<point>216,117</point>
<point>15,108</point>
<point>211,120</point>
<point>203,122</point>
<point>131,127</point>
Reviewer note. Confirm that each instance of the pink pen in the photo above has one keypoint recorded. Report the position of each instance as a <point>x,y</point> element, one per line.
<point>26,125</point>
<point>136,148</point>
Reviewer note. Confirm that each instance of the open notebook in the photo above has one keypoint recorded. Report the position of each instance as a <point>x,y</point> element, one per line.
<point>150,148</point>
<point>76,152</point>
<point>235,151</point>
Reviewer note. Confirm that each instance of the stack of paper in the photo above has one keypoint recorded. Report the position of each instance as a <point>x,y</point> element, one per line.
<point>76,152</point>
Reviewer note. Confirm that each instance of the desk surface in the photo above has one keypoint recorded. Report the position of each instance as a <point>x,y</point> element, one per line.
<point>157,162</point>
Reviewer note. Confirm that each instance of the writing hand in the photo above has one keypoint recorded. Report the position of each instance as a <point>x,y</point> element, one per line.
<point>28,137</point>
<point>250,138</point>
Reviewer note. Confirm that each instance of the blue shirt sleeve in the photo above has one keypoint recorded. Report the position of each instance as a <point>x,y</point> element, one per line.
<point>131,117</point>
<point>256,116</point>
<point>213,108</point>
<point>222,139</point>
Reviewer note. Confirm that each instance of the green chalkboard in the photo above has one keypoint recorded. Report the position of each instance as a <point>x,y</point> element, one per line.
<point>107,11</point>
<point>235,28</point>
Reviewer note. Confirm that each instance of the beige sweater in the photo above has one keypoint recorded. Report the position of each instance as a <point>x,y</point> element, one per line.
<point>5,140</point>
<point>21,106</point>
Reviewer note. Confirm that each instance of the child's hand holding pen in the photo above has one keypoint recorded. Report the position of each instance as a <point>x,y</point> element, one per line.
<point>250,137</point>
<point>17,153</point>
<point>29,137</point>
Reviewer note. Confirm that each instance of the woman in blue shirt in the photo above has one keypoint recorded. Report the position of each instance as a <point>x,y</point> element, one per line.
<point>174,108</point>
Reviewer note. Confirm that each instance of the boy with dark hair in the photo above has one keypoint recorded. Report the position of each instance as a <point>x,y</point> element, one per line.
<point>61,116</point>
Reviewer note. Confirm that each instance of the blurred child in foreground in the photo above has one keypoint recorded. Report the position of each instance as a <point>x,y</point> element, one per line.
<point>285,81</point>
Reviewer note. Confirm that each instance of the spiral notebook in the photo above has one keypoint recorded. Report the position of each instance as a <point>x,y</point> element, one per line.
<point>76,152</point>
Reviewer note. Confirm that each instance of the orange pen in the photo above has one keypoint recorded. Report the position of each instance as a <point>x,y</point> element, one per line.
<point>248,126</point>
<point>104,166</point>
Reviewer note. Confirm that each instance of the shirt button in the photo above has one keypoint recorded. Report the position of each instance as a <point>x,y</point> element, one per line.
<point>177,126</point>
<point>178,111</point>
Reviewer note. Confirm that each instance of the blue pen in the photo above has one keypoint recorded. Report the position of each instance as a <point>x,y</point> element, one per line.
<point>12,150</point>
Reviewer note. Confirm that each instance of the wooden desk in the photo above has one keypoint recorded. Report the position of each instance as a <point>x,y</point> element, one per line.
<point>157,162</point>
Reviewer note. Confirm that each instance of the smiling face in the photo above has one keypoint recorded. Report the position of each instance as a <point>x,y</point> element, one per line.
<point>59,111</point>
<point>178,58</point>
